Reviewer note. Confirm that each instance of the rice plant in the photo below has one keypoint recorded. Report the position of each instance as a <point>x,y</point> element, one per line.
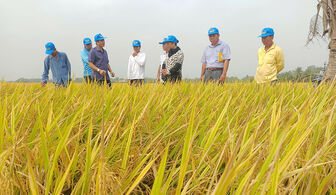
<point>187,138</point>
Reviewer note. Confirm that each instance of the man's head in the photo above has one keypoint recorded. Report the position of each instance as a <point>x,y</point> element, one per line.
<point>213,35</point>
<point>172,42</point>
<point>50,48</point>
<point>100,40</point>
<point>267,36</point>
<point>136,46</point>
<point>164,44</point>
<point>87,43</point>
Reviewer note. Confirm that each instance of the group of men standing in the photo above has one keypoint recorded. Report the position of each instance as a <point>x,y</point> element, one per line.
<point>215,61</point>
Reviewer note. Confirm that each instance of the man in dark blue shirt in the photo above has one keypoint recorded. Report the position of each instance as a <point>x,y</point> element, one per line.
<point>99,62</point>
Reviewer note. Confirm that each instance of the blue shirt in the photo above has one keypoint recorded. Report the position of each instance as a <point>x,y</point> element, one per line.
<point>60,69</point>
<point>85,60</point>
<point>100,60</point>
<point>212,54</point>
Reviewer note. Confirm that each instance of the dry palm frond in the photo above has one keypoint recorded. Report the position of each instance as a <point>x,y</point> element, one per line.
<point>322,25</point>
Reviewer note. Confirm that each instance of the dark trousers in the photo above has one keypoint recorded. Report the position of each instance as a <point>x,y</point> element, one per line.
<point>176,78</point>
<point>136,82</point>
<point>102,82</point>
<point>62,84</point>
<point>88,79</point>
<point>212,76</point>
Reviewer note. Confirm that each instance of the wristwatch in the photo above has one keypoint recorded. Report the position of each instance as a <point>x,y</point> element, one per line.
<point>98,70</point>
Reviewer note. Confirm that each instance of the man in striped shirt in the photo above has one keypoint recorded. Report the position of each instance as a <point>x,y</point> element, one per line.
<point>172,66</point>
<point>85,59</point>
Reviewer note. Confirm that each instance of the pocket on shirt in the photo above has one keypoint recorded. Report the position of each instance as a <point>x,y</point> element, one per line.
<point>220,58</point>
<point>269,70</point>
<point>270,59</point>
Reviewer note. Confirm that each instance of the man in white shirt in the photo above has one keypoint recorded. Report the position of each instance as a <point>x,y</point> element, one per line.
<point>136,65</point>
<point>163,57</point>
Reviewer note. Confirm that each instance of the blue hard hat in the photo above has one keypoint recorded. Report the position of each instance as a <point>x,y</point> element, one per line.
<point>213,31</point>
<point>87,41</point>
<point>98,37</point>
<point>172,38</point>
<point>165,40</point>
<point>267,32</point>
<point>50,47</point>
<point>136,43</point>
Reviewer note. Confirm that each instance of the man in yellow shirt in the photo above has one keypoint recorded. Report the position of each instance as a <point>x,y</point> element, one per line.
<point>270,58</point>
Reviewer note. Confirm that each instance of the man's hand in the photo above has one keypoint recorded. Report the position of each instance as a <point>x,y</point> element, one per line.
<point>43,84</point>
<point>112,74</point>
<point>135,54</point>
<point>102,72</point>
<point>222,78</point>
<point>164,72</point>
<point>202,77</point>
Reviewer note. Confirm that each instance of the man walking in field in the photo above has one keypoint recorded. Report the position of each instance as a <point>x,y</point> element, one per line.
<point>85,59</point>
<point>59,64</point>
<point>216,58</point>
<point>136,65</point>
<point>163,57</point>
<point>270,59</point>
<point>172,67</point>
<point>99,62</point>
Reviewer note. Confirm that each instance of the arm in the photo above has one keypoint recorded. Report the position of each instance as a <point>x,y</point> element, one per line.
<point>45,75</point>
<point>85,60</point>
<point>203,71</point>
<point>68,65</point>
<point>226,56</point>
<point>110,70</point>
<point>140,59</point>
<point>94,67</point>
<point>280,61</point>
<point>226,67</point>
<point>109,67</point>
<point>91,60</point>
<point>204,63</point>
<point>158,74</point>
<point>129,68</point>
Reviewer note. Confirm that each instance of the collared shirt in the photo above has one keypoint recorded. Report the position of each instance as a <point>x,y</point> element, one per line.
<point>85,60</point>
<point>60,69</point>
<point>100,60</point>
<point>270,63</point>
<point>173,65</point>
<point>136,66</point>
<point>214,56</point>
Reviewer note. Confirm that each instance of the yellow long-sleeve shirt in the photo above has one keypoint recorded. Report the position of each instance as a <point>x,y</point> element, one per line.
<point>270,63</point>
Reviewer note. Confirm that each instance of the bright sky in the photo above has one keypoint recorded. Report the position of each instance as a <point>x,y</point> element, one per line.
<point>26,25</point>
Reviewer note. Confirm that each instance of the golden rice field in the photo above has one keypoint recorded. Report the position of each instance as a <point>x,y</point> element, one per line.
<point>188,138</point>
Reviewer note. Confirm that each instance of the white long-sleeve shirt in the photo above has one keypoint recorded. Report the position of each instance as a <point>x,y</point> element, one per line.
<point>163,57</point>
<point>136,66</point>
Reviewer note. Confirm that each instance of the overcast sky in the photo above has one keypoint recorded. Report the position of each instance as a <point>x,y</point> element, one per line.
<point>26,25</point>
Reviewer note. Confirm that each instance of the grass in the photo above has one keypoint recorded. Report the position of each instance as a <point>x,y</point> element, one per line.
<point>188,138</point>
